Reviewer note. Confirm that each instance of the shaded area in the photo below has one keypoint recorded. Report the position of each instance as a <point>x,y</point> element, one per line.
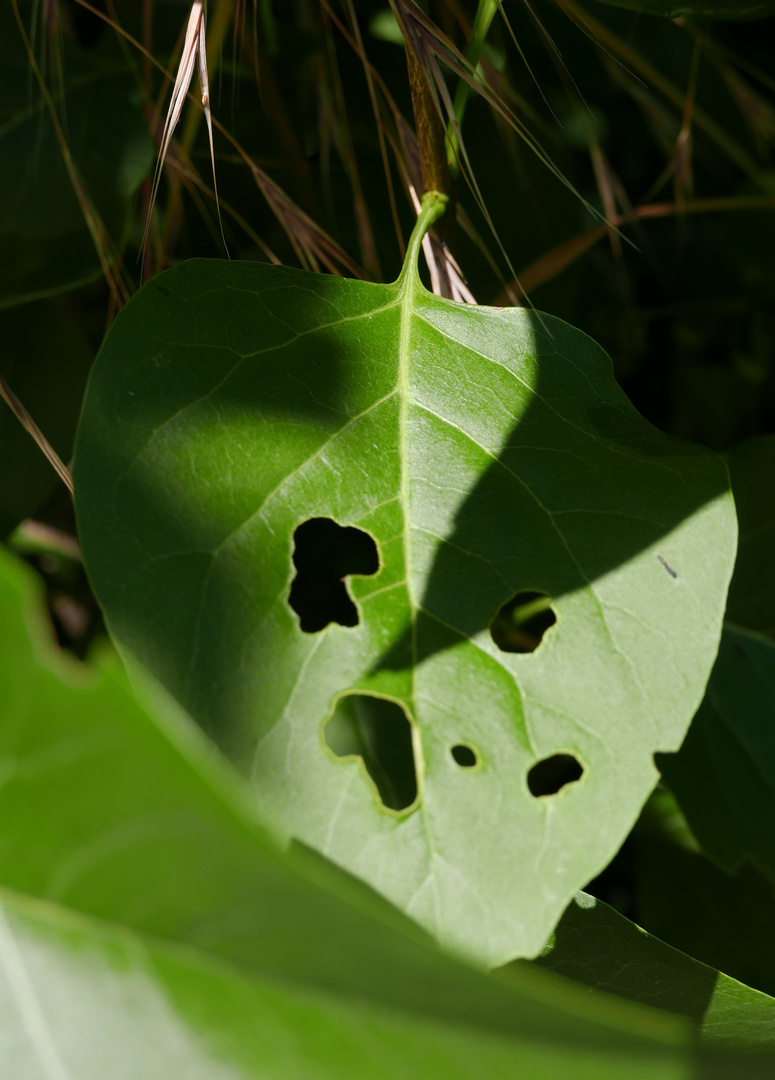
<point>325,554</point>
<point>552,774</point>
<point>724,920</point>
<point>751,600</point>
<point>377,731</point>
<point>596,946</point>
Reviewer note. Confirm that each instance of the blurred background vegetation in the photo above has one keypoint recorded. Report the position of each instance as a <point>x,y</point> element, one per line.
<point>592,113</point>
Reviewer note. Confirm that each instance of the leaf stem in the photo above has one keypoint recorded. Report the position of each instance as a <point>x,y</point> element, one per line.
<point>485,13</point>
<point>434,204</point>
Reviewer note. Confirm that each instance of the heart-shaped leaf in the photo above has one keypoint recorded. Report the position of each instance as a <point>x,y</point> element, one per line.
<point>538,575</point>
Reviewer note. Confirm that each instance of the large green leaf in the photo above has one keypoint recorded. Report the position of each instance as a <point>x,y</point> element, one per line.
<point>45,245</point>
<point>214,945</point>
<point>699,9</point>
<point>595,945</point>
<point>487,452</point>
<point>45,359</point>
<point>81,1000</point>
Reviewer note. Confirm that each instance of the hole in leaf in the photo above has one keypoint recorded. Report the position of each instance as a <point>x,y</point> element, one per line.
<point>379,732</point>
<point>550,775</point>
<point>465,756</point>
<point>520,625</point>
<point>325,554</point>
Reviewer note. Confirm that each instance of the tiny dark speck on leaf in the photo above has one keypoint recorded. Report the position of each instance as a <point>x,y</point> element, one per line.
<point>669,569</point>
<point>163,290</point>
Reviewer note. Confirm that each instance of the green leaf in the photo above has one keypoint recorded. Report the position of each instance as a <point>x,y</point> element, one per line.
<point>45,246</point>
<point>81,1000</point>
<point>699,9</point>
<point>213,945</point>
<point>724,774</point>
<point>45,359</point>
<point>721,919</point>
<point>489,455</point>
<point>751,600</point>
<point>595,945</point>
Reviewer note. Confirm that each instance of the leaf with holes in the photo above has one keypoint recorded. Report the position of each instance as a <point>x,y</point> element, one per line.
<point>297,494</point>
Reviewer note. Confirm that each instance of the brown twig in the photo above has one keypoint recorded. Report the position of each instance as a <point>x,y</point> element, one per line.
<point>428,125</point>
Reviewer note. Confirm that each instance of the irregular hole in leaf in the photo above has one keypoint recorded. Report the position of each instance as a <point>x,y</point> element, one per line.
<point>520,625</point>
<point>325,554</point>
<point>551,774</point>
<point>378,731</point>
<point>465,756</point>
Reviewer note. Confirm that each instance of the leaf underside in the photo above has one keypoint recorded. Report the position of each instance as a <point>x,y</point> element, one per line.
<point>487,453</point>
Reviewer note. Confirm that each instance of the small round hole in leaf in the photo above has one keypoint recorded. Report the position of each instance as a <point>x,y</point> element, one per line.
<point>464,756</point>
<point>378,731</point>
<point>520,625</point>
<point>325,554</point>
<point>551,774</point>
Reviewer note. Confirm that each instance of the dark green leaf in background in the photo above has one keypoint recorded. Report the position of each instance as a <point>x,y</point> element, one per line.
<point>699,9</point>
<point>725,920</point>
<point>751,600</point>
<point>45,246</point>
<point>595,945</point>
<point>724,774</point>
<point>489,454</point>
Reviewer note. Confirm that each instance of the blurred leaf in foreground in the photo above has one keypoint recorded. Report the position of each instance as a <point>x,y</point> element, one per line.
<point>214,951</point>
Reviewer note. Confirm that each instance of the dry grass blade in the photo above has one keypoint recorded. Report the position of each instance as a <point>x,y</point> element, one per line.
<point>32,428</point>
<point>194,48</point>
<point>309,240</point>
